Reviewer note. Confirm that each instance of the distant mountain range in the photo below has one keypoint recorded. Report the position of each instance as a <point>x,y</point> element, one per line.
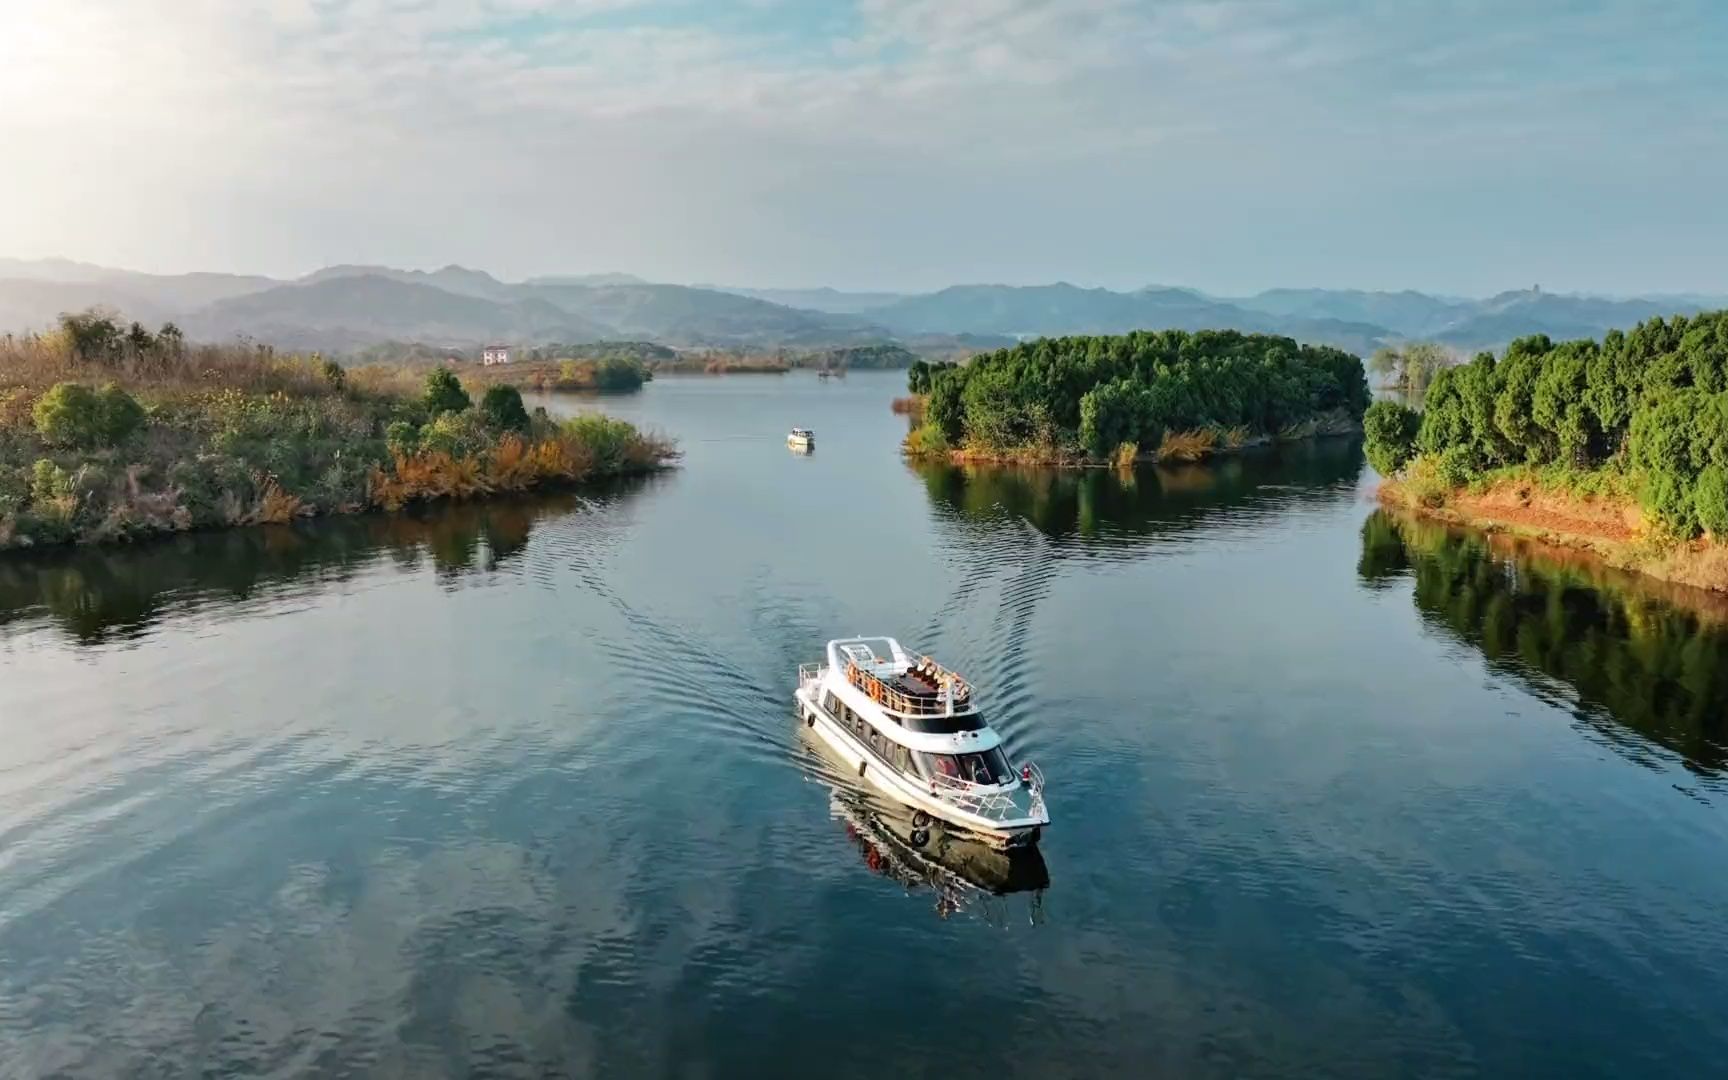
<point>350,307</point>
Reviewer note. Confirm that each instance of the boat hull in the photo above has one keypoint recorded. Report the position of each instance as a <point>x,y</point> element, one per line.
<point>893,784</point>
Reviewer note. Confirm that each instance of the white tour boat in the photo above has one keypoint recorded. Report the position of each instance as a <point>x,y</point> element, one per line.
<point>801,439</point>
<point>912,729</point>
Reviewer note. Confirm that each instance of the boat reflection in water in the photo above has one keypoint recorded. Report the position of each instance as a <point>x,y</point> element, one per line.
<point>962,873</point>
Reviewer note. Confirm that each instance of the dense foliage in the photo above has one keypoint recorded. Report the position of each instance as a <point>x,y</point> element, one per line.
<point>1390,433</point>
<point>185,437</point>
<point>1098,393</point>
<point>921,374</point>
<point>1653,401</point>
<point>883,355</point>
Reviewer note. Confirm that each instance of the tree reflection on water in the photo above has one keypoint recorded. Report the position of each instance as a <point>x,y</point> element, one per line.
<point>1638,662</point>
<point>108,593</point>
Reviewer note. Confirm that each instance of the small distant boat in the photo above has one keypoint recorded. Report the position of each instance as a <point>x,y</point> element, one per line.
<point>911,728</point>
<point>824,373</point>
<point>801,439</point>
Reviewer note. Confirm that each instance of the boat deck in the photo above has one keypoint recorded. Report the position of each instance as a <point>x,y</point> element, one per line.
<point>915,686</point>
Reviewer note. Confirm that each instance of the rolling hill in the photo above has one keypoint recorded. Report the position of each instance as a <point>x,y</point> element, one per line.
<point>680,314</point>
<point>344,312</point>
<point>832,301</point>
<point>351,307</point>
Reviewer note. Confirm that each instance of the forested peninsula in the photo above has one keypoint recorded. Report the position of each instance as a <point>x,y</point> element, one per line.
<point>1146,395</point>
<point>111,432</point>
<point>1619,446</point>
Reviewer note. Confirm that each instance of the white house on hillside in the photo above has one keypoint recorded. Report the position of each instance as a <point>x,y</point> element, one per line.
<point>495,354</point>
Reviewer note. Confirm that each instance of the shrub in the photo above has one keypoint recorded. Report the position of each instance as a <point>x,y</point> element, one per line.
<point>927,438</point>
<point>73,415</point>
<point>616,373</point>
<point>501,408</point>
<point>49,482</point>
<point>456,433</point>
<point>1710,500</point>
<point>402,437</point>
<point>1456,466</point>
<point>14,490</point>
<point>214,489</point>
<point>1389,434</point>
<point>334,374</point>
<point>444,393</point>
<point>604,437</point>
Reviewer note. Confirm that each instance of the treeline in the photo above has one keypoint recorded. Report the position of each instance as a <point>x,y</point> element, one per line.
<point>609,375</point>
<point>871,357</point>
<point>1106,396</point>
<point>643,353</point>
<point>1644,411</point>
<point>111,432</point>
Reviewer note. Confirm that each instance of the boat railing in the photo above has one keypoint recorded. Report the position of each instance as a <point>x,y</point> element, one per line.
<point>990,803</point>
<point>953,694</point>
<point>809,675</point>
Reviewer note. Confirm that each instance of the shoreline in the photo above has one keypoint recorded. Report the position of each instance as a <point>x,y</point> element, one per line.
<point>1044,459</point>
<point>13,544</point>
<point>1612,532</point>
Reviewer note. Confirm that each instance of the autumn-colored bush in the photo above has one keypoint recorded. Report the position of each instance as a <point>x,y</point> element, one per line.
<point>185,436</point>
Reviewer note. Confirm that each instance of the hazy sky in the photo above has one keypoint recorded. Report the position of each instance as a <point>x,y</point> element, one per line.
<point>1453,145</point>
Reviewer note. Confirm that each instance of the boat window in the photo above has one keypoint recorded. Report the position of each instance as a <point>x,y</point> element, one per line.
<point>988,767</point>
<point>944,725</point>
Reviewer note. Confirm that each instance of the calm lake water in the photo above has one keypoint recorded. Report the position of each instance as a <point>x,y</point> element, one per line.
<point>516,789</point>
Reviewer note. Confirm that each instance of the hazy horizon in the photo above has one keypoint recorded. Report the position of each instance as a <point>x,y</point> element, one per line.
<point>880,145</point>
<point>783,286</point>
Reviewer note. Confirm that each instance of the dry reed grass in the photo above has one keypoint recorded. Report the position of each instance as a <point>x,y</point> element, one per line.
<point>1187,445</point>
<point>33,364</point>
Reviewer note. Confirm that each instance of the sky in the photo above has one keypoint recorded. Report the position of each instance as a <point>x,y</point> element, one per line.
<point>1457,146</point>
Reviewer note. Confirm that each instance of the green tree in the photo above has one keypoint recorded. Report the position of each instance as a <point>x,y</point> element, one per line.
<point>501,408</point>
<point>444,392</point>
<point>93,335</point>
<point>918,378</point>
<point>1389,435</point>
<point>170,339</point>
<point>139,341</point>
<point>619,373</point>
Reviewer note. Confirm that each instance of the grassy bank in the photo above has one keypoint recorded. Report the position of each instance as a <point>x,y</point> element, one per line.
<point>1166,396</point>
<point>1593,513</point>
<point>111,433</point>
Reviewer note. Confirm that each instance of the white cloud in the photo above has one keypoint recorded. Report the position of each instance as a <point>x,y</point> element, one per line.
<point>390,107</point>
